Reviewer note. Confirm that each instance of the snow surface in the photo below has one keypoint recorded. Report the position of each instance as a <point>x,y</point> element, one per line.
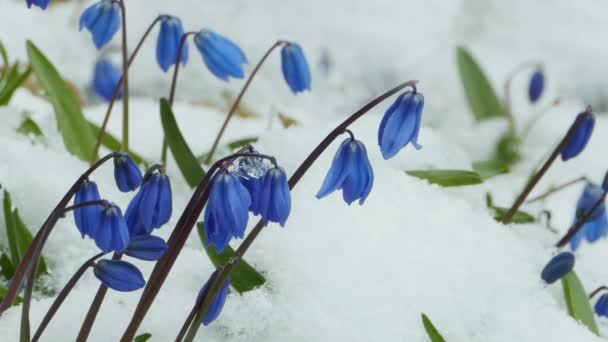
<point>337,273</point>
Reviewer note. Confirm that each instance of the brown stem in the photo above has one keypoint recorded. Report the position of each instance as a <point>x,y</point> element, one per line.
<point>557,189</point>
<point>596,291</point>
<point>125,75</point>
<point>578,225</point>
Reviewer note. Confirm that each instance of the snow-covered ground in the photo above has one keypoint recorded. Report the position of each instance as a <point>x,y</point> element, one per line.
<point>337,273</point>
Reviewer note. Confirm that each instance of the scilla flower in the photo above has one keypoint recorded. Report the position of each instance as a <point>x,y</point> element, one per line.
<point>537,84</point>
<point>558,266</point>
<point>102,19</point>
<point>227,214</point>
<point>119,275</point>
<point>400,124</point>
<point>111,233</point>
<point>167,45</point>
<point>40,3</point>
<point>223,58</point>
<point>597,225</point>
<point>87,217</point>
<point>126,173</point>
<point>601,306</point>
<point>350,171</point>
<point>105,80</point>
<point>146,247</point>
<point>218,302</point>
<point>295,67</point>
<point>274,201</point>
<point>580,137</point>
<point>151,207</point>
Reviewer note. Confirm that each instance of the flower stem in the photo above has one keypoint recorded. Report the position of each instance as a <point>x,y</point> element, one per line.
<point>238,99</point>
<point>125,81</point>
<point>557,189</point>
<point>578,225</point>
<point>596,291</point>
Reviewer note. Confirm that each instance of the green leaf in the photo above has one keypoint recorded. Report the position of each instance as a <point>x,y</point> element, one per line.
<point>479,92</point>
<point>7,267</point>
<point>490,168</point>
<point>4,290</point>
<point>578,302</point>
<point>448,178</point>
<point>14,79</point>
<point>433,333</point>
<point>29,127</point>
<point>142,337</point>
<point>244,278</point>
<point>77,136</point>
<point>507,148</point>
<point>185,159</point>
<point>114,144</point>
<point>25,239</point>
<point>520,217</point>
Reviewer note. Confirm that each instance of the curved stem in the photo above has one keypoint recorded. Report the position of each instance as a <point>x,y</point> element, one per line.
<point>63,295</point>
<point>125,75</point>
<point>580,223</point>
<point>557,189</point>
<point>511,76</point>
<point>596,291</point>
<point>238,99</point>
<point>530,124</point>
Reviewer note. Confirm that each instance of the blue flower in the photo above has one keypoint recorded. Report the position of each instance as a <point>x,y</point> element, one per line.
<point>40,3</point>
<point>350,171</point>
<point>126,173</point>
<point>167,45</point>
<point>274,199</point>
<point>146,247</point>
<point>223,58</point>
<point>295,68</point>
<point>254,187</point>
<point>558,266</point>
<point>151,207</point>
<point>218,302</point>
<point>102,19</point>
<point>597,225</point>
<point>580,137</point>
<point>119,275</point>
<point>87,217</point>
<point>226,215</point>
<point>106,79</point>
<point>537,84</point>
<point>400,124</point>
<point>112,233</point>
<point>601,306</point>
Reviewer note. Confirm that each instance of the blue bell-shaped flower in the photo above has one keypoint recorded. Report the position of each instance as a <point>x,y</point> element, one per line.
<point>111,233</point>
<point>558,266</point>
<point>151,208</point>
<point>601,306</point>
<point>254,187</point>
<point>146,247</point>
<point>218,302</point>
<point>102,19</point>
<point>597,225</point>
<point>580,137</point>
<point>537,84</point>
<point>167,45</point>
<point>295,68</point>
<point>350,171</point>
<point>223,57</point>
<point>400,124</point>
<point>227,214</point>
<point>119,275</point>
<point>87,217</point>
<point>274,199</point>
<point>40,3</point>
<point>127,175</point>
<point>106,79</point>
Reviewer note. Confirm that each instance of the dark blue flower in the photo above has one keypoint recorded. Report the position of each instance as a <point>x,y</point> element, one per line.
<point>558,266</point>
<point>226,215</point>
<point>254,187</point>
<point>537,84</point>
<point>151,207</point>
<point>350,171</point>
<point>597,225</point>
<point>605,182</point>
<point>400,124</point>
<point>601,306</point>
<point>102,19</point>
<point>579,137</point>
<point>218,302</point>
<point>167,45</point>
<point>119,275</point>
<point>106,79</point>
<point>146,247</point>
<point>274,199</point>
<point>87,217</point>
<point>111,233</point>
<point>40,3</point>
<point>295,68</point>
<point>223,57</point>
<point>126,173</point>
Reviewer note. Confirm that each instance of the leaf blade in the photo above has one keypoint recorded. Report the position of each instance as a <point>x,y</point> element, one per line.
<point>577,301</point>
<point>433,333</point>
<point>447,178</point>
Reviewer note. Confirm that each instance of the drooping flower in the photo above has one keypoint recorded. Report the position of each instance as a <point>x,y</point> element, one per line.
<point>254,187</point>
<point>295,68</point>
<point>223,57</point>
<point>400,124</point>
<point>579,137</point>
<point>226,215</point>
<point>106,79</point>
<point>218,302</point>
<point>152,205</point>
<point>167,45</point>
<point>146,247</point>
<point>274,201</point>
<point>40,3</point>
<point>102,19</point>
<point>119,275</point>
<point>537,84</point>
<point>601,306</point>
<point>87,217</point>
<point>126,173</point>
<point>350,171</point>
<point>597,225</point>
<point>111,233</point>
<point>250,171</point>
<point>557,267</point>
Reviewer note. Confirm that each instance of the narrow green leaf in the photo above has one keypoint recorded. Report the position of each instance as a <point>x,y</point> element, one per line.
<point>142,337</point>
<point>7,268</point>
<point>578,302</point>
<point>3,291</point>
<point>433,333</point>
<point>30,127</point>
<point>520,217</point>
<point>185,159</point>
<point>490,168</point>
<point>507,148</point>
<point>5,62</point>
<point>114,144</point>
<point>479,92</point>
<point>14,79</point>
<point>77,136</point>
<point>24,238</point>
<point>244,278</point>
<point>448,178</point>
